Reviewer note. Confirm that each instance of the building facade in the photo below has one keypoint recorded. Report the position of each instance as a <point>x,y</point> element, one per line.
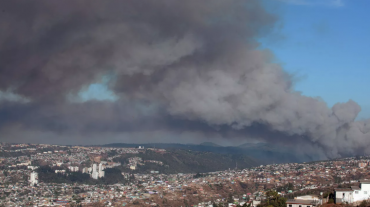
<point>97,173</point>
<point>353,194</point>
<point>33,178</point>
<point>304,201</point>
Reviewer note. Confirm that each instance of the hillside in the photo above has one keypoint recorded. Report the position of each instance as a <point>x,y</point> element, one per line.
<point>185,161</point>
<point>272,153</point>
<point>262,153</point>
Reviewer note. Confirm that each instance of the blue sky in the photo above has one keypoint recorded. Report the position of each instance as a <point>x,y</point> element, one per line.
<point>97,91</point>
<point>326,44</point>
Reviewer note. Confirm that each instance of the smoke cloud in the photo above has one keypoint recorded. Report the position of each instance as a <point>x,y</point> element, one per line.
<point>180,69</point>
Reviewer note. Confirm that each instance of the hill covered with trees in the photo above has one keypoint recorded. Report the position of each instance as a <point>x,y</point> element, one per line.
<point>187,161</point>
<point>48,175</point>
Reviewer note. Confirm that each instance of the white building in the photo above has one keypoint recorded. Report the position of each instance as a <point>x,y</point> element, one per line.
<point>362,165</point>
<point>101,172</point>
<point>87,170</point>
<point>24,163</point>
<point>60,171</point>
<point>34,178</point>
<point>32,167</point>
<point>97,173</point>
<point>353,194</point>
<point>94,173</point>
<point>73,168</point>
<point>344,195</point>
<point>304,201</point>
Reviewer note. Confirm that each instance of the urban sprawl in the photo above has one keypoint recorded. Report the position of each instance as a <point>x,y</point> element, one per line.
<point>54,175</point>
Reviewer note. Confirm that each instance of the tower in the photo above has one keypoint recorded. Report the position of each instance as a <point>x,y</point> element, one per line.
<point>33,178</point>
<point>101,172</point>
<point>94,173</point>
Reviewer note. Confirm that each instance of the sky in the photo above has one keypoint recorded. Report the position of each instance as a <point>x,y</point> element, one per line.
<point>326,45</point>
<point>286,72</point>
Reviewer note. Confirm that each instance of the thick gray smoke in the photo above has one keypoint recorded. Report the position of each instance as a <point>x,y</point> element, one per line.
<point>178,67</point>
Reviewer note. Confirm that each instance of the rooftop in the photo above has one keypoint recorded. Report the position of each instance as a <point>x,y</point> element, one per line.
<point>300,201</point>
<point>343,189</point>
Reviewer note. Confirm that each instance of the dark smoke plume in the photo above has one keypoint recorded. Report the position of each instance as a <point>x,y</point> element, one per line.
<point>179,69</point>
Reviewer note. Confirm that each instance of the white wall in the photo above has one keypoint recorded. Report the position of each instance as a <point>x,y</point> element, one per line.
<point>362,194</point>
<point>346,196</point>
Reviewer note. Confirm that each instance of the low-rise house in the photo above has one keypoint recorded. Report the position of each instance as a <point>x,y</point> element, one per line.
<point>353,194</point>
<point>301,203</point>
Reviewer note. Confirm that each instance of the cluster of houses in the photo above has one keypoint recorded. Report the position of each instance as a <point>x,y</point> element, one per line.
<point>20,184</point>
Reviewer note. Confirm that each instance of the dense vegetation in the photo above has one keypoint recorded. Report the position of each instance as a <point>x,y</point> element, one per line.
<point>11,154</point>
<point>262,153</point>
<point>273,199</point>
<point>48,175</point>
<point>187,161</point>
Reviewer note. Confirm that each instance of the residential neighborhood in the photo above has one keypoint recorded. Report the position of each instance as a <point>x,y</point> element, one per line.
<point>26,168</point>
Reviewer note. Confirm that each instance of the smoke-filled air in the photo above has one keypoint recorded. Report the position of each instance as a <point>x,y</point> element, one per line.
<point>176,71</point>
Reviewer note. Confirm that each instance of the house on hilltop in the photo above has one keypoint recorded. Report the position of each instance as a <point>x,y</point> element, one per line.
<point>353,194</point>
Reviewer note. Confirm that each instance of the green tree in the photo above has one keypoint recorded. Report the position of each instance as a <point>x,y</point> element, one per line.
<point>337,179</point>
<point>273,199</point>
<point>230,198</point>
<point>326,194</point>
<point>290,186</point>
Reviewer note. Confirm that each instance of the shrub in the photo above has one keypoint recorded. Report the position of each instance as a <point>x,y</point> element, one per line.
<point>363,203</point>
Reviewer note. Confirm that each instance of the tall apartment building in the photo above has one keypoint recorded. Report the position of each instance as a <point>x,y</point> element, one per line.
<point>101,172</point>
<point>97,173</point>
<point>34,178</point>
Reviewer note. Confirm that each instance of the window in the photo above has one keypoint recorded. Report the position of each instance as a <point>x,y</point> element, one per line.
<point>300,205</point>
<point>290,205</point>
<point>356,192</point>
<point>365,192</point>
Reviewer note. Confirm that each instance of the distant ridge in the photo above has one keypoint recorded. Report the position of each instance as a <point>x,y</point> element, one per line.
<point>248,145</point>
<point>263,153</point>
<point>265,147</point>
<point>210,144</point>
